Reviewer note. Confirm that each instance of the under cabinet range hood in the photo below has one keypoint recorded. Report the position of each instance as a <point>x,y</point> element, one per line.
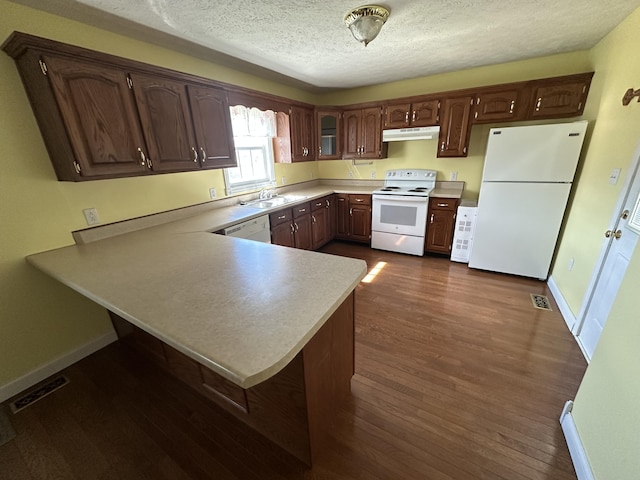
<point>404,134</point>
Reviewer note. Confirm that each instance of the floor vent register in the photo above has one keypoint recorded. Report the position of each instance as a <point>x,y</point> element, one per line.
<point>39,392</point>
<point>541,302</point>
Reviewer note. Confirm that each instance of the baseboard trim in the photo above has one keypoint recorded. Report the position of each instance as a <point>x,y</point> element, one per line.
<point>576,449</point>
<point>563,306</point>
<point>56,365</point>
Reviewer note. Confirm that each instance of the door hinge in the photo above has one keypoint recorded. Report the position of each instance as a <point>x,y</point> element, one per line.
<point>43,67</point>
<point>129,82</point>
<point>76,165</point>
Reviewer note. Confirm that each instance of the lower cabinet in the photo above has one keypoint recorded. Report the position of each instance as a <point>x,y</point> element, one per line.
<point>322,221</point>
<point>291,227</point>
<point>440,224</point>
<point>294,408</point>
<point>353,212</point>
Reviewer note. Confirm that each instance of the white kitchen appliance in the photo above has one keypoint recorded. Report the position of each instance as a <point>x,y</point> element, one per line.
<point>526,183</point>
<point>463,231</point>
<point>399,211</point>
<point>257,229</point>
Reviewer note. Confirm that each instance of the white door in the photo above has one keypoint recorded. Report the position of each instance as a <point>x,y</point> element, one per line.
<point>609,272</point>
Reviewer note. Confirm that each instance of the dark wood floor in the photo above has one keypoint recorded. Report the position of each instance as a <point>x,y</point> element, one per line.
<point>457,377</point>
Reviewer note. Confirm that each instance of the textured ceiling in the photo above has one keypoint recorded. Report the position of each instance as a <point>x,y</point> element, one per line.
<point>307,44</point>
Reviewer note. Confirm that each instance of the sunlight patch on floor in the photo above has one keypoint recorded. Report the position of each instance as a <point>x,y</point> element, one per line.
<point>374,272</point>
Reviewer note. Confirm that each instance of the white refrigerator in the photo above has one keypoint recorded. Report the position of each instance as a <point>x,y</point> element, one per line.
<point>526,183</point>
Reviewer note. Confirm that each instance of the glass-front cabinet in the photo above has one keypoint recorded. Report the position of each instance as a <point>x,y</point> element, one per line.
<point>329,141</point>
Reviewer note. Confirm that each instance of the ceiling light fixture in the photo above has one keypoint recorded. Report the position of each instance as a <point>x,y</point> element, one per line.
<point>366,21</point>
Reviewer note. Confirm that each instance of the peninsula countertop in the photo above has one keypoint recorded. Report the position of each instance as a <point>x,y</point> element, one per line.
<point>242,308</point>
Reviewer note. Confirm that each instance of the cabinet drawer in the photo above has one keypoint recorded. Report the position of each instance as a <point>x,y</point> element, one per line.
<point>302,209</point>
<point>319,203</point>
<point>359,199</point>
<point>280,216</point>
<point>443,203</point>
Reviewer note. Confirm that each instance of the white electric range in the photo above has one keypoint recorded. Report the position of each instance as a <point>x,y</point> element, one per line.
<point>399,211</point>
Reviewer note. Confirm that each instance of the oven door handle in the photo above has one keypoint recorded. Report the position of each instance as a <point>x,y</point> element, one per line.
<point>400,198</point>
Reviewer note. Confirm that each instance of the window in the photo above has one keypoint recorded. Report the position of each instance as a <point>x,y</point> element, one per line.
<point>253,132</point>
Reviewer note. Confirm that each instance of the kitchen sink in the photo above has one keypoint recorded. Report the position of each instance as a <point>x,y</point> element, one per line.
<point>274,201</point>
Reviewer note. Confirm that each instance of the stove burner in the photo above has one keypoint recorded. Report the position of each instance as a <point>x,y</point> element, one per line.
<point>419,189</point>
<point>389,189</point>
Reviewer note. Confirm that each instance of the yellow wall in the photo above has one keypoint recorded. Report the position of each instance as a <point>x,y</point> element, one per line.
<point>41,319</point>
<point>606,406</point>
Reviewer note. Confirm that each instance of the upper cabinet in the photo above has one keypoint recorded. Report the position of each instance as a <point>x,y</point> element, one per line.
<point>500,106</point>
<point>329,134</point>
<point>106,117</point>
<point>363,134</point>
<point>455,127</point>
<point>212,125</point>
<point>302,133</point>
<point>416,114</point>
<point>557,98</point>
<point>88,118</point>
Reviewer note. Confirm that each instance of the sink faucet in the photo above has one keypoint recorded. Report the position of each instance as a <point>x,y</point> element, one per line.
<point>265,193</point>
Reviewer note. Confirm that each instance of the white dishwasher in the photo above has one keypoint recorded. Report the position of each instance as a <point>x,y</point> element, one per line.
<point>257,229</point>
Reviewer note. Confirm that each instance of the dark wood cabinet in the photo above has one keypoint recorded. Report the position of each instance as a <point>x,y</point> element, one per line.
<point>353,217</point>
<point>329,134</point>
<point>302,226</point>
<point>212,125</point>
<point>322,221</point>
<point>291,227</point>
<point>302,133</point>
<point>558,98</point>
<point>163,107</point>
<point>417,114</point>
<point>88,118</point>
<point>455,127</point>
<point>440,224</point>
<point>363,134</point>
<point>501,106</point>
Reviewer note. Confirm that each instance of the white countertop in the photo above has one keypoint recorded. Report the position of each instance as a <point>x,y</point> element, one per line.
<point>243,308</point>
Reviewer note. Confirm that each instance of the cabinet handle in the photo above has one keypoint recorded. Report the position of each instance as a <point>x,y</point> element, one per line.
<point>328,204</point>
<point>77,168</point>
<point>313,218</point>
<point>413,116</point>
<point>143,158</point>
<point>282,217</point>
<point>204,155</point>
<point>195,155</point>
<point>296,225</point>
<point>292,228</point>
<point>538,103</point>
<point>513,104</point>
<point>351,212</point>
<point>318,204</point>
<point>431,221</point>
<point>443,204</point>
<point>359,200</point>
<point>300,210</point>
<point>406,117</point>
<point>442,147</point>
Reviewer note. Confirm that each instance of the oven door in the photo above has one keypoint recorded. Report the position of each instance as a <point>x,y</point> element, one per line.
<point>399,214</point>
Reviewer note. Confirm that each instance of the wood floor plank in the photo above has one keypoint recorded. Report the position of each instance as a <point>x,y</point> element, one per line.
<point>457,377</point>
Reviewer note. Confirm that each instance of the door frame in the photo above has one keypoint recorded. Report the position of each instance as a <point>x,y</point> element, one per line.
<point>633,176</point>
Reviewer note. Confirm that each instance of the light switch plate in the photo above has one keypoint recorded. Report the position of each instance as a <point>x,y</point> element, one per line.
<point>615,174</point>
<point>212,193</point>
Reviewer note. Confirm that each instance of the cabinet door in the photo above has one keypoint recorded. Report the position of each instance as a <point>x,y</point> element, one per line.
<point>342,216</point>
<point>425,114</point>
<point>360,223</point>
<point>440,225</point>
<point>455,127</point>
<point>99,115</point>
<point>301,121</point>
<point>319,227</point>
<point>497,106</point>
<point>371,133</point>
<point>282,234</point>
<point>166,122</point>
<point>212,125</point>
<point>397,115</point>
<point>329,134</point>
<point>303,235</point>
<point>559,100</point>
<point>352,119</point>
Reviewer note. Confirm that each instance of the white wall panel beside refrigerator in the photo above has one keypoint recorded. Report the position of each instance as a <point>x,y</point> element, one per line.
<point>525,187</point>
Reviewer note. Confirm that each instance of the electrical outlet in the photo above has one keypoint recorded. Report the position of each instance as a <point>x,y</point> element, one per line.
<point>91,216</point>
<point>373,174</point>
<point>212,193</point>
<point>570,264</point>
<point>284,180</point>
<point>350,174</point>
<point>453,176</point>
